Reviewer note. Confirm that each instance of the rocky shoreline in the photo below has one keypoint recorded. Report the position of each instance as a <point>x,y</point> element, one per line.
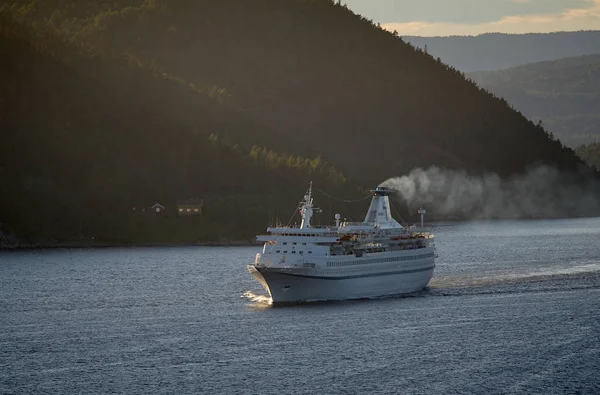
<point>24,246</point>
<point>45,246</point>
<point>10,242</point>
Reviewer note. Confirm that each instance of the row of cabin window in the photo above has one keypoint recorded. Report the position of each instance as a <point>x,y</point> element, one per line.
<point>362,262</point>
<point>293,252</point>
<point>285,243</point>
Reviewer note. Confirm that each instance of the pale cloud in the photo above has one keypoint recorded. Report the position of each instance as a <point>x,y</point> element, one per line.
<point>585,18</point>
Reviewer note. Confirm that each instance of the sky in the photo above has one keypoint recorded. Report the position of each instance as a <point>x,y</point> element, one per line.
<point>472,17</point>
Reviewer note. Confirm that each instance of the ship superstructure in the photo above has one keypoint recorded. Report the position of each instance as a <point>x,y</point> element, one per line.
<point>349,260</point>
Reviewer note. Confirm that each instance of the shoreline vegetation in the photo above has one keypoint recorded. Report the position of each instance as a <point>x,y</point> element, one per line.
<point>12,243</point>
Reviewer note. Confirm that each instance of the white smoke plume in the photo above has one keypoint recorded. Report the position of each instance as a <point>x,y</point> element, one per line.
<point>540,192</point>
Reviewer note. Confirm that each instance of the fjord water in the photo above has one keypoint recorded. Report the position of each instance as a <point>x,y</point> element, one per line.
<point>514,306</point>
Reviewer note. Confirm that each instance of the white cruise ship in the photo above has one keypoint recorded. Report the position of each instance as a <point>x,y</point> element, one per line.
<point>377,257</point>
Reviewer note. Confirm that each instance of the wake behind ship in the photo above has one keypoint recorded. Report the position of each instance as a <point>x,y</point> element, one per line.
<point>351,260</point>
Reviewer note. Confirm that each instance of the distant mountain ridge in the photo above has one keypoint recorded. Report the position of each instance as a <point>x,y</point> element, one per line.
<point>495,51</point>
<point>564,94</point>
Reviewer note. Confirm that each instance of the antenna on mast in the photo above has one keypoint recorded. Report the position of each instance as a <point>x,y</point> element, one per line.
<point>306,208</point>
<point>422,212</point>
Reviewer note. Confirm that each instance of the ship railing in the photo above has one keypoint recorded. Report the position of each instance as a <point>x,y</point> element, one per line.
<point>357,224</point>
<point>281,232</point>
<point>298,227</point>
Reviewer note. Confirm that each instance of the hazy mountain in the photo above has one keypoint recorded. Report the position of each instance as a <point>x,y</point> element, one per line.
<point>495,51</point>
<point>590,153</point>
<point>113,103</point>
<point>564,94</point>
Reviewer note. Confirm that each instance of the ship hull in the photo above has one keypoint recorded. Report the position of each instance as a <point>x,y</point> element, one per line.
<point>293,287</point>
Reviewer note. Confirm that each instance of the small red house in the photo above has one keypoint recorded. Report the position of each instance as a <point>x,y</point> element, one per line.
<point>190,207</point>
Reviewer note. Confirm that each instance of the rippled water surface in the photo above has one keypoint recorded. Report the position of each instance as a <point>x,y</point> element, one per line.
<point>514,307</point>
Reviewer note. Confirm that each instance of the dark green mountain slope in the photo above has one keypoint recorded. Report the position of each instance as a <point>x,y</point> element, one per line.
<point>564,94</point>
<point>326,79</point>
<point>107,104</point>
<point>495,51</point>
<point>79,152</point>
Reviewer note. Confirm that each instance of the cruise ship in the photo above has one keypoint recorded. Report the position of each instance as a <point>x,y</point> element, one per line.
<point>349,260</point>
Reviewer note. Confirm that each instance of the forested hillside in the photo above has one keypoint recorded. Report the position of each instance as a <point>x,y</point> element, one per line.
<point>564,94</point>
<point>590,153</point>
<point>495,51</point>
<point>78,153</point>
<point>111,104</point>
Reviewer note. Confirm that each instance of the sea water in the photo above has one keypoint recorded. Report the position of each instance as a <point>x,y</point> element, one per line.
<point>513,307</point>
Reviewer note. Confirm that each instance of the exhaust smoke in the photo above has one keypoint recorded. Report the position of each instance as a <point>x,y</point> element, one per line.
<point>541,192</point>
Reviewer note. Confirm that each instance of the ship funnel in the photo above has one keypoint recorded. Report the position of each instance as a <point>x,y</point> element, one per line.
<point>379,211</point>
